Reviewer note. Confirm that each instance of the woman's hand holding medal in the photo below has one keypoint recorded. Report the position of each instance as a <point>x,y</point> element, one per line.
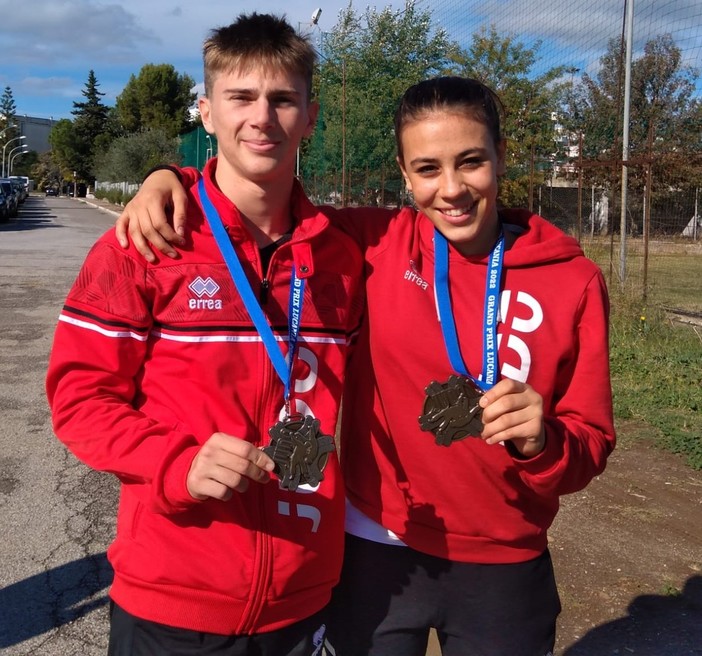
<point>513,413</point>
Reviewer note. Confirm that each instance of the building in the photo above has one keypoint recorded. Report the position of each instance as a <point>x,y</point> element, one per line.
<point>36,130</point>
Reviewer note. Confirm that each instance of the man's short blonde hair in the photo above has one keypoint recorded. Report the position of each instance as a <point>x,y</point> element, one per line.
<point>258,41</point>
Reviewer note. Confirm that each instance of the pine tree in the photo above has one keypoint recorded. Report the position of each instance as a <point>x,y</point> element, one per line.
<point>89,125</point>
<point>8,112</point>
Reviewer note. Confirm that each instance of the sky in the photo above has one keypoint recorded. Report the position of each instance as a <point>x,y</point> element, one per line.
<point>47,47</point>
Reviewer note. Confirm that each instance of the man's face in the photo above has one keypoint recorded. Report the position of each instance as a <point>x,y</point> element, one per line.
<point>259,118</point>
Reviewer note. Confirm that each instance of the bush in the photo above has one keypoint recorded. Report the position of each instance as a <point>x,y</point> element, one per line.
<point>114,196</point>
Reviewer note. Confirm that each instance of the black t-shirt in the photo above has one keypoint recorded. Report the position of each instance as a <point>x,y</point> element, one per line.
<point>267,251</point>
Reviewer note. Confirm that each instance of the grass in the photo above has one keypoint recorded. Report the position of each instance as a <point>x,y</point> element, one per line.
<point>656,362</point>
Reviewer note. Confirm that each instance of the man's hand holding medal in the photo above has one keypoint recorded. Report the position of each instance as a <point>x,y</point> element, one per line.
<point>226,464</point>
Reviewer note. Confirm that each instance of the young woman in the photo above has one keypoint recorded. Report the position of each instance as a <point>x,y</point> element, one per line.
<point>477,395</point>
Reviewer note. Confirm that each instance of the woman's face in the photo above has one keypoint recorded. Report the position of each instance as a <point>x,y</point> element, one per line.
<point>451,165</point>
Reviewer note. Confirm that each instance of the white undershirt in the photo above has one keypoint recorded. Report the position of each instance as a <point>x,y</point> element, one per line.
<point>364,527</point>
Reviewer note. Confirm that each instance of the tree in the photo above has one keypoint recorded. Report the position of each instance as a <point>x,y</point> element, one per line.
<point>23,163</point>
<point>158,98</point>
<point>46,172</point>
<point>8,112</point>
<point>367,62</point>
<point>89,125</point>
<point>530,101</point>
<point>665,121</point>
<point>65,148</point>
<point>130,157</point>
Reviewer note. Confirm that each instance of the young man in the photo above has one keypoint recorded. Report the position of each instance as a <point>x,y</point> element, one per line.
<point>173,375</point>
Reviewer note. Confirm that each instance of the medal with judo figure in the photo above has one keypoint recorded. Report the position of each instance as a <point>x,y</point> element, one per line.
<point>452,410</point>
<point>300,451</point>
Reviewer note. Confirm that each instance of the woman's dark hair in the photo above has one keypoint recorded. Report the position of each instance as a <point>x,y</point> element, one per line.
<point>461,94</point>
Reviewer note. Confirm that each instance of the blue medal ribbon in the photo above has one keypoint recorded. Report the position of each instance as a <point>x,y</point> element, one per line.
<point>282,365</point>
<point>445,309</point>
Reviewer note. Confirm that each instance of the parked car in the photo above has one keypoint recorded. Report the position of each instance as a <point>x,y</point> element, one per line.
<point>13,195</point>
<point>4,207</point>
<point>21,185</point>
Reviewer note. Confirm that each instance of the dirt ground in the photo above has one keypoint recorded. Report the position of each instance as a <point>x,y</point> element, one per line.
<point>628,557</point>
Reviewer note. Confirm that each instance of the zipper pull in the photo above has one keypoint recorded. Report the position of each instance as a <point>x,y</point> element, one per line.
<point>263,293</point>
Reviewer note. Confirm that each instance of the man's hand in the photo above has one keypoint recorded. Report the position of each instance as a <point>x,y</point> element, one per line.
<point>514,411</point>
<point>225,464</point>
<point>144,217</point>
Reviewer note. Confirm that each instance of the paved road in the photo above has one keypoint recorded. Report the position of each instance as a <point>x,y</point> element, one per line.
<point>56,516</point>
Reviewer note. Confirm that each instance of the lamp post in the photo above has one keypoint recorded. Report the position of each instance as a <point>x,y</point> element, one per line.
<point>314,20</point>
<point>22,149</point>
<point>9,127</point>
<point>14,157</point>
<point>3,151</point>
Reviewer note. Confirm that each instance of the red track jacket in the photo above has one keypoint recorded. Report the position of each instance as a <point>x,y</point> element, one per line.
<point>473,502</point>
<point>149,360</point>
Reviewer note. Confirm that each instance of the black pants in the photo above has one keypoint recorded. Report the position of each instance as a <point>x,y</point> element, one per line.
<point>390,596</point>
<point>132,636</point>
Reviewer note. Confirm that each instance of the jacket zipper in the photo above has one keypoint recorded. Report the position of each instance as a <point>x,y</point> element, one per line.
<point>262,574</point>
<point>263,292</point>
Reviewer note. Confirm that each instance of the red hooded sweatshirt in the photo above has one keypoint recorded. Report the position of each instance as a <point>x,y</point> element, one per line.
<point>474,502</point>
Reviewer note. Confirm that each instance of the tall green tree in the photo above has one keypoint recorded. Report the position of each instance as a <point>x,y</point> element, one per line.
<point>8,113</point>
<point>367,61</point>
<point>89,125</point>
<point>531,102</point>
<point>158,98</point>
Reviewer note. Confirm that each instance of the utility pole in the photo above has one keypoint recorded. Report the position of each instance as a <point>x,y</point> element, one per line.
<point>625,138</point>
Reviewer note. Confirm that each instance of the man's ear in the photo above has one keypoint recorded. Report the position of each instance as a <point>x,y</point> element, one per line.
<point>203,104</point>
<point>312,113</point>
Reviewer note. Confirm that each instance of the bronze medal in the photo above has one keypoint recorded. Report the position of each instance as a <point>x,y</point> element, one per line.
<point>451,410</point>
<point>300,451</point>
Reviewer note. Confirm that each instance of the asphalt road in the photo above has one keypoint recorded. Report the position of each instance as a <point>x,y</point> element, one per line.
<point>56,516</point>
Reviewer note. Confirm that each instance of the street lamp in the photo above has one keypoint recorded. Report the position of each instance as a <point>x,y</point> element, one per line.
<point>3,151</point>
<point>314,21</point>
<point>10,157</point>
<point>9,127</point>
<point>316,14</point>
<point>14,157</point>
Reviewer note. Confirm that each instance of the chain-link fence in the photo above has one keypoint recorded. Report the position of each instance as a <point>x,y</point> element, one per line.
<point>603,102</point>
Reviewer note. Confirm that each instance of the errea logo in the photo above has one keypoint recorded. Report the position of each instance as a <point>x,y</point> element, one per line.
<point>204,289</point>
<point>412,275</point>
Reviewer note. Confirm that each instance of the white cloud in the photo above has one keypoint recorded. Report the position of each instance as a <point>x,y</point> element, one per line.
<point>50,40</point>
